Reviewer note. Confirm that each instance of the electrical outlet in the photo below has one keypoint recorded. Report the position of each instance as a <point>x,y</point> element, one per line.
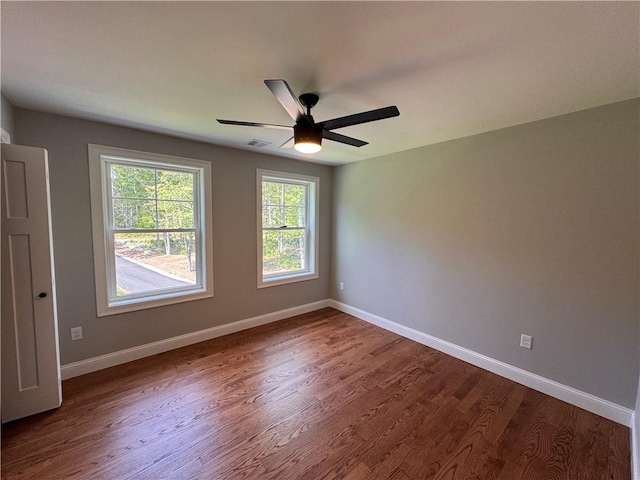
<point>76,333</point>
<point>525,341</point>
<point>341,285</point>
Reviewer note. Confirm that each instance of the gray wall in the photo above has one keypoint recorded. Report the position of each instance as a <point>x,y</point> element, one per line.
<point>6,118</point>
<point>234,238</point>
<point>530,229</point>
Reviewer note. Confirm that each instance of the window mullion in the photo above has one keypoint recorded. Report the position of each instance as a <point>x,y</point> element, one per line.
<point>155,191</point>
<point>283,229</point>
<point>153,230</point>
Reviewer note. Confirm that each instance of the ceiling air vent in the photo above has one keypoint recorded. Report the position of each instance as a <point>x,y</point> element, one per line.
<point>258,143</point>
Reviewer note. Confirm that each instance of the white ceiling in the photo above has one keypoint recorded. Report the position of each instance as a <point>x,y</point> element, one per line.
<point>453,68</point>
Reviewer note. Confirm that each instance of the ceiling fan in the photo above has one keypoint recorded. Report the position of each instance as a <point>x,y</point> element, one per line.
<point>307,134</point>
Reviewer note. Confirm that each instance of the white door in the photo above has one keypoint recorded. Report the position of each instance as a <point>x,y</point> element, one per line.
<point>30,359</point>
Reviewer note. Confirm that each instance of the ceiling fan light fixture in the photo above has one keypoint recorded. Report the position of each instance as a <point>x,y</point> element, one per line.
<point>307,147</point>
<point>308,138</point>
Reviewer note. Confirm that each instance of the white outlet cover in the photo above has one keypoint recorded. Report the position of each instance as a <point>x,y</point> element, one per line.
<point>525,341</point>
<point>76,333</point>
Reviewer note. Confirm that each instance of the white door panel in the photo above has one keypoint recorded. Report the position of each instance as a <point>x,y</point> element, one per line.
<point>30,358</point>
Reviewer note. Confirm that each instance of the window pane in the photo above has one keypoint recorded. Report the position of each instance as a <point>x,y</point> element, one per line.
<point>272,216</point>
<point>294,216</point>
<point>272,193</point>
<point>175,185</point>
<point>294,194</point>
<point>150,198</point>
<point>283,204</point>
<point>132,182</point>
<point>175,214</point>
<point>147,262</point>
<point>283,251</point>
<point>133,213</point>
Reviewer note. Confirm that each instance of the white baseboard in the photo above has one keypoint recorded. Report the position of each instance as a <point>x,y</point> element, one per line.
<point>82,367</point>
<point>591,403</point>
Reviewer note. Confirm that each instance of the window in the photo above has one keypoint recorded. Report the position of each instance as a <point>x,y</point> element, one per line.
<point>287,228</point>
<point>151,229</point>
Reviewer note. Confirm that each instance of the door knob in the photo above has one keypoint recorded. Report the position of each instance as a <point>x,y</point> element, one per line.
<point>42,295</point>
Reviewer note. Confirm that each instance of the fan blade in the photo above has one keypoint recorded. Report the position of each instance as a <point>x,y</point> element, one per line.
<point>288,144</point>
<point>359,118</point>
<point>287,99</point>
<point>254,124</point>
<point>336,137</point>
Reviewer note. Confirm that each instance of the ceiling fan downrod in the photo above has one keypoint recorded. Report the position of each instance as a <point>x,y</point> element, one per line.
<point>309,100</point>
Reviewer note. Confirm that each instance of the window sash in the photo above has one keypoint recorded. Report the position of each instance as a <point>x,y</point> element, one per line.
<point>283,229</point>
<point>304,228</point>
<point>281,207</point>
<point>305,268</point>
<point>310,205</point>
<point>112,283</point>
<point>108,188</point>
<point>105,232</point>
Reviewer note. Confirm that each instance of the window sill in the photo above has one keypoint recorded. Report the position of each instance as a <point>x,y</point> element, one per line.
<point>132,305</point>
<point>285,279</point>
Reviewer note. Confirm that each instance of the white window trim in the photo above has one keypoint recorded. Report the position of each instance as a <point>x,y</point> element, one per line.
<point>99,215</point>
<point>312,226</point>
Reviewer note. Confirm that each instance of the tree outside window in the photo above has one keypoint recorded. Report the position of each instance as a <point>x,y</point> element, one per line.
<point>287,226</point>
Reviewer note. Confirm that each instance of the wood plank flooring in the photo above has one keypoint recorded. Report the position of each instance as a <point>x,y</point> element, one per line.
<point>318,396</point>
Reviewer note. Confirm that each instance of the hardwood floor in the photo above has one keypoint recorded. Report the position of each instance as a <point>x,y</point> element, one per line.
<point>318,396</point>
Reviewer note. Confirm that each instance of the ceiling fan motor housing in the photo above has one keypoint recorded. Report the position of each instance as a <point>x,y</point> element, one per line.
<point>307,132</point>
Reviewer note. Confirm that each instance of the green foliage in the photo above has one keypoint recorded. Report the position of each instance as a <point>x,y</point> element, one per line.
<point>283,250</point>
<point>150,198</point>
<point>283,205</point>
